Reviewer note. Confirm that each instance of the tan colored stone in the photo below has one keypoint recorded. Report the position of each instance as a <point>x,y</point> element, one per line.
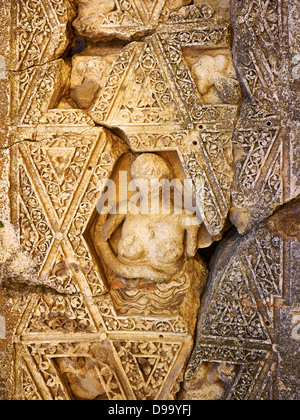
<point>36,90</point>
<point>151,256</point>
<point>146,99</point>
<point>114,19</point>
<point>82,377</point>
<point>42,34</point>
<point>14,264</point>
<point>96,305</point>
<point>88,76</point>
<point>222,6</point>
<point>216,80</point>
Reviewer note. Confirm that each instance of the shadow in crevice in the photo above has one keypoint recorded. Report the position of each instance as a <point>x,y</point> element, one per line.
<point>78,47</point>
<point>209,254</point>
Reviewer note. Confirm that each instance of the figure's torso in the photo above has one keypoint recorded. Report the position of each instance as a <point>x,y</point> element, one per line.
<point>154,240</point>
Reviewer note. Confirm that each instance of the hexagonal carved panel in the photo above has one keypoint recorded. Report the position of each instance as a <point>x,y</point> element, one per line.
<point>181,128</point>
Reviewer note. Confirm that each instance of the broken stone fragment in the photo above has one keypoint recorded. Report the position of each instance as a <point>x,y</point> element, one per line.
<point>42,34</point>
<point>216,79</point>
<point>106,20</point>
<point>42,88</point>
<point>84,94</point>
<point>15,265</point>
<point>252,294</point>
<point>87,77</point>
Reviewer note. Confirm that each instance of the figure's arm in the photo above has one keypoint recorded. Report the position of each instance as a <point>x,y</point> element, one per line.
<point>130,271</point>
<point>103,232</point>
<point>192,230</point>
<point>112,223</point>
<point>192,241</point>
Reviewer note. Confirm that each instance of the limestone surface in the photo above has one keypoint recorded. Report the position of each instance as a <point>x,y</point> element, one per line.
<point>149,200</point>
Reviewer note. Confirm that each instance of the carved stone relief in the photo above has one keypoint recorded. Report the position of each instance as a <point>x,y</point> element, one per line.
<point>102,273</point>
<point>265,141</point>
<point>241,354</point>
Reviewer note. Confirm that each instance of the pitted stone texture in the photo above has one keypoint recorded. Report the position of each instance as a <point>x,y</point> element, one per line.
<point>249,314</point>
<point>266,143</point>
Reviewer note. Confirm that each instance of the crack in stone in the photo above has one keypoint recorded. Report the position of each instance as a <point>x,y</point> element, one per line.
<point>36,65</point>
<point>113,130</point>
<point>28,287</point>
<point>43,139</point>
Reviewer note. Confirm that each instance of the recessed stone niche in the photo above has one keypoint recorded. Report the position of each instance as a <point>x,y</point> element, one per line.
<point>98,100</point>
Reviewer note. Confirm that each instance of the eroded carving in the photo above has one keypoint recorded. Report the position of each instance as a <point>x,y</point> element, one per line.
<point>264,65</point>
<point>150,269</point>
<point>255,276</point>
<point>216,80</point>
<point>114,313</point>
<point>122,19</point>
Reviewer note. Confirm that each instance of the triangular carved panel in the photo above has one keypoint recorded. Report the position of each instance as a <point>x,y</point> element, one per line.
<point>61,166</point>
<point>232,313</point>
<point>147,366</point>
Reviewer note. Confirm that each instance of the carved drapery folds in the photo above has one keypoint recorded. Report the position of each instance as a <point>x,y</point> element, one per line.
<point>155,94</point>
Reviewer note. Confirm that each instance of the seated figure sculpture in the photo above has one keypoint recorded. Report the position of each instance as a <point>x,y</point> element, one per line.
<point>153,268</point>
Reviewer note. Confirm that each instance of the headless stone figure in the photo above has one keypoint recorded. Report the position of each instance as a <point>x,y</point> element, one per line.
<point>153,251</point>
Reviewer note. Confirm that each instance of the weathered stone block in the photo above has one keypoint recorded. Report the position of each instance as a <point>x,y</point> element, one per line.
<point>122,163</point>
